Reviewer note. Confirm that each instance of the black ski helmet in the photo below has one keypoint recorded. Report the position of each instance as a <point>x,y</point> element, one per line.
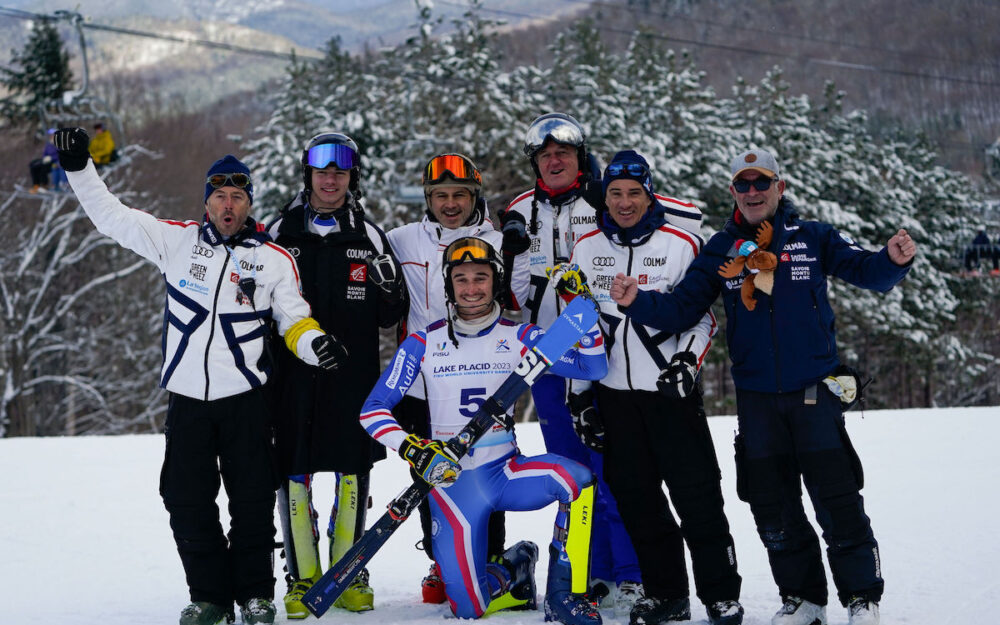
<point>472,250</point>
<point>560,128</point>
<point>340,151</point>
<point>452,170</point>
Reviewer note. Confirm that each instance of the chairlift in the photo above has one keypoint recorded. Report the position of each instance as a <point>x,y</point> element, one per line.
<point>76,108</point>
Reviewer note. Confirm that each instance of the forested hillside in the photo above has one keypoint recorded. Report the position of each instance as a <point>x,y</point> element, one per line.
<point>80,321</point>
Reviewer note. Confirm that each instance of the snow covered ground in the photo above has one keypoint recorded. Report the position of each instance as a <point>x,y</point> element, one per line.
<point>84,538</point>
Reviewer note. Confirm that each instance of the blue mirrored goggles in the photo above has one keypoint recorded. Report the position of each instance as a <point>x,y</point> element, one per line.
<point>342,156</point>
<point>635,170</point>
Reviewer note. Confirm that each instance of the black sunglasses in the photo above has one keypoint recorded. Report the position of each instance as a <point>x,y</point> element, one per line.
<point>761,184</point>
<point>236,180</point>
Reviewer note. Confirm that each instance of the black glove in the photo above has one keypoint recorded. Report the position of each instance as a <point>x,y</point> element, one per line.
<point>330,352</point>
<point>678,379</point>
<point>515,234</point>
<point>74,148</point>
<point>435,462</point>
<point>586,420</point>
<point>385,273</point>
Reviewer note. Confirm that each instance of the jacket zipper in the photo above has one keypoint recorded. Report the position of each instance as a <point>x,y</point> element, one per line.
<point>215,307</point>
<point>628,322</point>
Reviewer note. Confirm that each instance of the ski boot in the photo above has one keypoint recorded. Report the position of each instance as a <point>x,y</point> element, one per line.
<point>725,613</point>
<point>514,579</point>
<point>561,603</point>
<point>257,610</point>
<point>432,586</point>
<point>798,611</point>
<point>294,608</point>
<point>653,611</point>
<point>205,613</point>
<point>628,593</point>
<point>359,596</point>
<point>862,611</point>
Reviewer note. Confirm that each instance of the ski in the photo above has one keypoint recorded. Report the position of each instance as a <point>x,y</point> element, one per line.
<point>575,321</point>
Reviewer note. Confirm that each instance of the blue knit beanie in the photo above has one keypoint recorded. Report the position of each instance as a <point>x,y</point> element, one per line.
<point>620,166</point>
<point>228,164</point>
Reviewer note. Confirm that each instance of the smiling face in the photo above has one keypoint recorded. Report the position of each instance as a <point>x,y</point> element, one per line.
<point>627,201</point>
<point>473,287</point>
<point>450,205</point>
<point>329,187</point>
<point>558,165</point>
<point>228,209</point>
<point>757,206</point>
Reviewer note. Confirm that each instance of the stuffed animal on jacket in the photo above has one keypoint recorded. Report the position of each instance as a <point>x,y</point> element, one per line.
<point>753,256</point>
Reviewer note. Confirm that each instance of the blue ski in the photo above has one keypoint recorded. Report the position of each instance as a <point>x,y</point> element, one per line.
<point>575,321</point>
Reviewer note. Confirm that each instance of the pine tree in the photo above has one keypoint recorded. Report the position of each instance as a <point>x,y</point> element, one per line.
<point>43,74</point>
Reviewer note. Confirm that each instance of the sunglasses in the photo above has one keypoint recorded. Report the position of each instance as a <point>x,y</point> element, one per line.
<point>454,165</point>
<point>636,170</point>
<point>343,156</point>
<point>467,249</point>
<point>234,180</point>
<point>761,184</point>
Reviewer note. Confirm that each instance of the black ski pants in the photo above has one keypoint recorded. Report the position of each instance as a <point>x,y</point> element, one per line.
<point>651,440</point>
<point>784,441</point>
<point>208,443</point>
<point>413,415</point>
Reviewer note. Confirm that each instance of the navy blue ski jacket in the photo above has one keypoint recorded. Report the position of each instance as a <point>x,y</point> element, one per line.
<point>788,342</point>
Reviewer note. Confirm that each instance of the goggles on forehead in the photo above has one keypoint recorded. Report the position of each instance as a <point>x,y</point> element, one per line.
<point>455,166</point>
<point>468,249</point>
<point>636,170</point>
<point>323,155</point>
<point>555,128</point>
<point>217,181</point>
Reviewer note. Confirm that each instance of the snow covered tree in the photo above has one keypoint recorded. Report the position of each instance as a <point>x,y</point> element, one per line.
<point>79,324</point>
<point>38,74</point>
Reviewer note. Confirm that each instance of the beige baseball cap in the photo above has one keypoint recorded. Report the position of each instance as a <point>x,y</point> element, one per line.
<point>760,160</point>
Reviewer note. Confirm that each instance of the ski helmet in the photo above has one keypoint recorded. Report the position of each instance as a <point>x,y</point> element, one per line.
<point>557,127</point>
<point>472,250</point>
<point>452,170</point>
<point>332,148</point>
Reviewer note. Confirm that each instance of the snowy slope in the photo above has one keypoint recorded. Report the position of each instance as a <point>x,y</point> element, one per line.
<point>84,538</point>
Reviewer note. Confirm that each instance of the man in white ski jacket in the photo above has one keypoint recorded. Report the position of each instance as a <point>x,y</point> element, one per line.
<point>455,209</point>
<point>649,418</point>
<point>224,281</point>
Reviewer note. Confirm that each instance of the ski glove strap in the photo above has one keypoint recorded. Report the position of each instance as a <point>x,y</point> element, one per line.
<point>678,379</point>
<point>435,462</point>
<point>515,234</point>
<point>843,386</point>
<point>587,422</point>
<point>330,352</point>
<point>385,273</point>
<point>74,148</point>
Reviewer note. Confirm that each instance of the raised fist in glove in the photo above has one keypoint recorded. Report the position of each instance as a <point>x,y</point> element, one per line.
<point>435,462</point>
<point>515,233</point>
<point>330,352</point>
<point>678,379</point>
<point>568,280</point>
<point>74,148</point>
<point>384,271</point>
<point>586,420</point>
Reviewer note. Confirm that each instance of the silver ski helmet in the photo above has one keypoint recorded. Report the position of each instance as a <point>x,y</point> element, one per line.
<point>471,250</point>
<point>332,148</point>
<point>559,128</point>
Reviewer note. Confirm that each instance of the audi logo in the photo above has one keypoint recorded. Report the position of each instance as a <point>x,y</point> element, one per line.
<point>603,261</point>
<point>202,251</point>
